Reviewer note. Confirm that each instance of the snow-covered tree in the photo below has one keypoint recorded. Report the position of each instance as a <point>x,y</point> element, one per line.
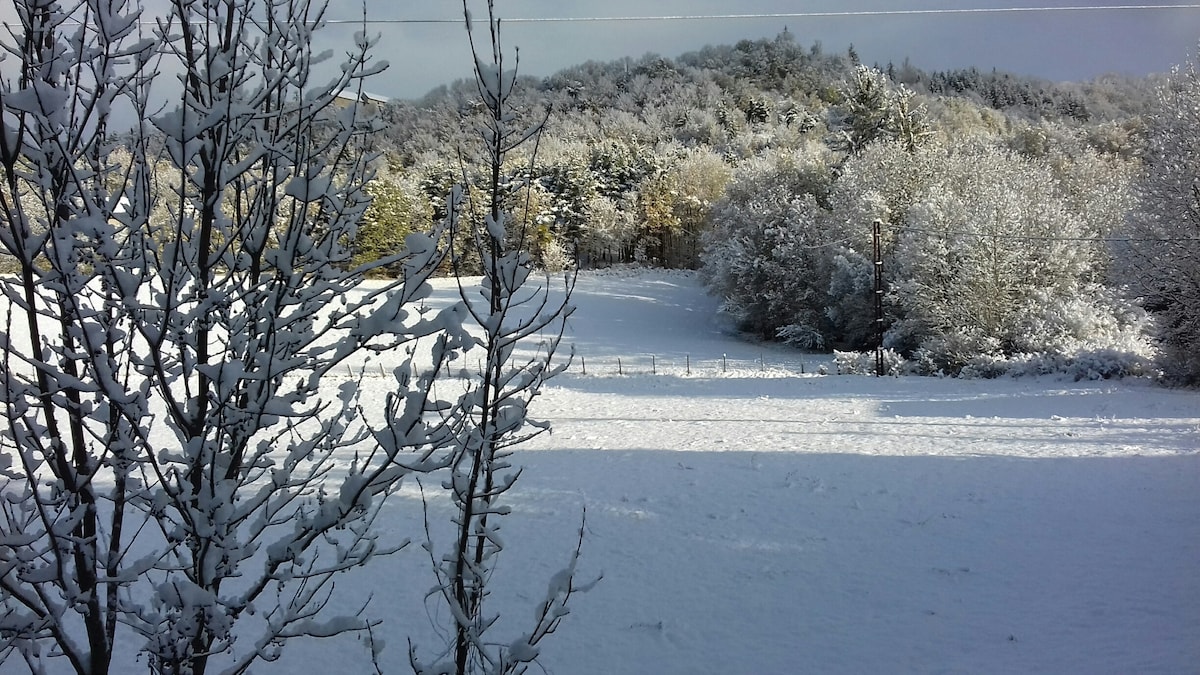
<point>572,187</point>
<point>519,322</point>
<point>990,246</point>
<point>874,109</point>
<point>699,177</point>
<point>398,208</point>
<point>177,480</point>
<point>1162,260</point>
<point>764,253</point>
<point>985,253</point>
<point>610,235</point>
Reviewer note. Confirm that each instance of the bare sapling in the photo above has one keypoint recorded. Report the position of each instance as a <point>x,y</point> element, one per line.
<point>518,317</point>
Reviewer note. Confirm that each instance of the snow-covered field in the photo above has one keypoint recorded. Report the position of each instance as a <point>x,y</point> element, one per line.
<point>751,518</point>
<point>749,515</point>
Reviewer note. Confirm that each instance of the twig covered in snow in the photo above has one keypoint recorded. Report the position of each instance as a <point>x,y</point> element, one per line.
<point>171,468</point>
<point>510,310</point>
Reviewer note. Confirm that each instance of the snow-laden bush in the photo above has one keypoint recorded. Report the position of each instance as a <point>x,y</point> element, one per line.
<point>1100,364</point>
<point>998,256</point>
<point>850,307</point>
<point>864,363</point>
<point>1096,319</point>
<point>1091,336</point>
<point>1095,335</point>
<point>765,269</point>
<point>983,241</point>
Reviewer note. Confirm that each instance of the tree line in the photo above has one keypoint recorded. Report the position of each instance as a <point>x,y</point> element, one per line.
<point>639,150</point>
<point>1012,208</point>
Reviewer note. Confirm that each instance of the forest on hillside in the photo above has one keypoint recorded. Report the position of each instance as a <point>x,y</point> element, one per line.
<point>1003,200</point>
<point>637,151</point>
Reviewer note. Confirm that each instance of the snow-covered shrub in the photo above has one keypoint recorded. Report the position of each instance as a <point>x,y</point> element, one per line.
<point>802,335</point>
<point>1096,318</point>
<point>980,242</point>
<point>1100,364</point>
<point>977,244</point>
<point>945,352</point>
<point>985,366</point>
<point>1094,335</point>
<point>863,363</point>
<point>765,268</point>
<point>850,307</point>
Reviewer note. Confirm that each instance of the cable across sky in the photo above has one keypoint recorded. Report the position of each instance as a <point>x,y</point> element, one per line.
<point>785,15</point>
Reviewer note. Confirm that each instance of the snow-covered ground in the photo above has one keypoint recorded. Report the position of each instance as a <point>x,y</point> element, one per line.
<point>755,517</point>
<point>749,515</point>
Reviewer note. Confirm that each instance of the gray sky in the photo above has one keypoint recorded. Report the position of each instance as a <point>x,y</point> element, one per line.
<point>1065,45</point>
<point>1056,45</point>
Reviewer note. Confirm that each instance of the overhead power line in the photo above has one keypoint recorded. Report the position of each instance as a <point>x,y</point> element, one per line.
<point>1019,237</point>
<point>784,15</point>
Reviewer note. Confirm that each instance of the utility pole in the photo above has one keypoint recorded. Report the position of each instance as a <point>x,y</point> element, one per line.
<point>877,232</point>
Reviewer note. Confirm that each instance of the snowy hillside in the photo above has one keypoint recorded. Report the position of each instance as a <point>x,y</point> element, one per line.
<point>748,518</point>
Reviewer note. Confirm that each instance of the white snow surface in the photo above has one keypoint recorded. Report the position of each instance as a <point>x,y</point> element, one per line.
<point>753,516</point>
